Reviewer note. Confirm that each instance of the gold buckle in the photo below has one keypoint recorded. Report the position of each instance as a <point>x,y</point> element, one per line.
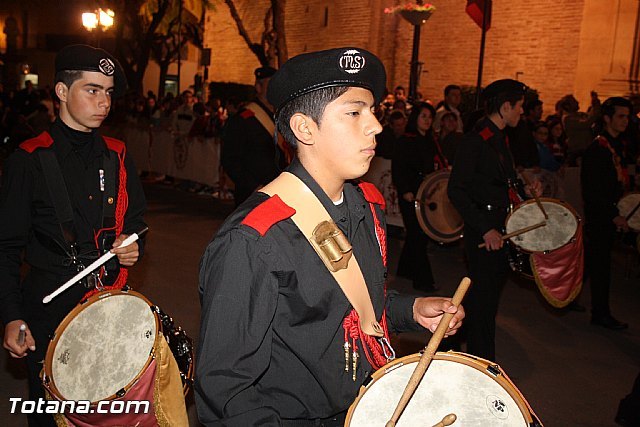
<point>331,245</point>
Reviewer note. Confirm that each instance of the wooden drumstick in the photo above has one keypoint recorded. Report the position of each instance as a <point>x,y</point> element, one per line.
<point>633,211</point>
<point>93,266</point>
<point>535,196</point>
<point>517,232</point>
<point>447,420</point>
<point>427,356</point>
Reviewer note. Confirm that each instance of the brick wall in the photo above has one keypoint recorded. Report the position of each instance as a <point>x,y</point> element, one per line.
<point>539,39</point>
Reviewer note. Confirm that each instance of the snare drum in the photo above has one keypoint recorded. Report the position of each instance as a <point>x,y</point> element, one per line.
<point>475,390</point>
<point>111,347</point>
<point>436,214</point>
<point>629,206</point>
<point>560,228</point>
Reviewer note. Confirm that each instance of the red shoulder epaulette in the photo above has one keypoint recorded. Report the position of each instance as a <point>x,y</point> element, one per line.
<point>246,114</point>
<point>410,135</point>
<point>267,214</point>
<point>372,194</point>
<point>114,144</point>
<point>602,141</point>
<point>43,140</point>
<point>485,134</point>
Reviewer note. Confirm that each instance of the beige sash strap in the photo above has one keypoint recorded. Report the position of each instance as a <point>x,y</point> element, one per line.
<point>265,119</point>
<point>309,214</point>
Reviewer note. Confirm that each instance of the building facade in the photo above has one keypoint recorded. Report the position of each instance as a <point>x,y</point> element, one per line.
<point>557,47</point>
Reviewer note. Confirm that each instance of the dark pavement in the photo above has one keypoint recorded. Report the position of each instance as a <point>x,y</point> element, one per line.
<point>572,373</point>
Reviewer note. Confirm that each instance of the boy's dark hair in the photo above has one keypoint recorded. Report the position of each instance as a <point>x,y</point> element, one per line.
<point>68,77</point>
<point>609,106</point>
<point>529,106</point>
<point>492,105</point>
<point>396,115</point>
<point>449,88</point>
<point>311,104</point>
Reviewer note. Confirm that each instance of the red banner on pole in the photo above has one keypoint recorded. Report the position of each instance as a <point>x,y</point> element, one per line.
<point>476,8</point>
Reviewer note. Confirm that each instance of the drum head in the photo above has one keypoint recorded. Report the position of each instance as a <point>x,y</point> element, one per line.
<point>561,226</point>
<point>436,214</point>
<point>453,384</point>
<point>628,207</point>
<point>101,347</point>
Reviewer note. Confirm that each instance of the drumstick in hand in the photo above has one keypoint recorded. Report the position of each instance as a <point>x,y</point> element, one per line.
<point>535,196</point>
<point>429,352</point>
<point>517,232</point>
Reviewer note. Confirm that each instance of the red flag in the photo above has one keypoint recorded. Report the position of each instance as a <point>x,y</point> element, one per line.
<point>475,9</point>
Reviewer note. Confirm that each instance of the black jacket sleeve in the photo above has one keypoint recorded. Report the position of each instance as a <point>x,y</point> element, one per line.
<point>235,153</point>
<point>238,296</point>
<point>15,223</point>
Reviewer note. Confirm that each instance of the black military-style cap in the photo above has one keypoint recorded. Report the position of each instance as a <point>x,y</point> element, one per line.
<point>347,66</point>
<point>83,57</point>
<point>264,72</point>
<point>503,86</point>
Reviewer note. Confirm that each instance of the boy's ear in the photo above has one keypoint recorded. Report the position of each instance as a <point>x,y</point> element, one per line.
<point>302,127</point>
<point>61,91</point>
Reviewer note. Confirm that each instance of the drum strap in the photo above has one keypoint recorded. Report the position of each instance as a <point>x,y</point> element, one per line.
<point>361,321</point>
<point>309,214</point>
<point>621,173</point>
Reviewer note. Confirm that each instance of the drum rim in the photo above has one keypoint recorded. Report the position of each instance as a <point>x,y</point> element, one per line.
<point>543,199</point>
<point>630,193</point>
<point>434,234</point>
<point>49,382</point>
<point>451,356</point>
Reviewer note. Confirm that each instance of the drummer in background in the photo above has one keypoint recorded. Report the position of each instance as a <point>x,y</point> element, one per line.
<point>482,186</point>
<point>415,157</point>
<point>92,169</point>
<point>277,332</point>
<point>604,179</point>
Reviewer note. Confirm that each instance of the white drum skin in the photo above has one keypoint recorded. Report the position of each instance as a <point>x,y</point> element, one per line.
<point>455,383</point>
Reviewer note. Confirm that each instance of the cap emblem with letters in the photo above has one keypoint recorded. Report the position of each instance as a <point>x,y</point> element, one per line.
<point>351,61</point>
<point>107,66</point>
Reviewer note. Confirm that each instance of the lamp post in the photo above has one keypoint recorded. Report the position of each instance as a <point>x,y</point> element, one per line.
<point>416,17</point>
<point>100,20</point>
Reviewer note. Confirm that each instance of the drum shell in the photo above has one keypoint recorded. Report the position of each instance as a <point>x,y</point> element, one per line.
<point>158,382</point>
<point>437,216</point>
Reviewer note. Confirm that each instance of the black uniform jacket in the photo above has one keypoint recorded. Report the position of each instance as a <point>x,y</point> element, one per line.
<point>480,177</point>
<point>28,222</point>
<point>249,151</point>
<point>601,189</point>
<point>271,338</point>
<point>413,160</point>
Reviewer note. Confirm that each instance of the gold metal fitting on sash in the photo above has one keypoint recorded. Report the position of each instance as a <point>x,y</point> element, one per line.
<point>331,245</point>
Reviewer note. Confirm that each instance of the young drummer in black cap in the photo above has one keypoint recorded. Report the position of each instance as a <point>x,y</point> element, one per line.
<point>482,186</point>
<point>64,224</point>
<point>280,343</point>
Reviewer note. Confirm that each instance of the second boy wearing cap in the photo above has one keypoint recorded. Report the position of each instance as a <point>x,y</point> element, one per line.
<point>104,201</point>
<point>481,187</point>
<point>274,320</point>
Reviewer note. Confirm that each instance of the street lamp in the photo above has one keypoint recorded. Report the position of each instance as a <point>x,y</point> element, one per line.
<point>102,19</point>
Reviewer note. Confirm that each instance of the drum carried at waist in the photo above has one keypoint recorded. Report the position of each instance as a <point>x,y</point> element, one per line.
<point>475,390</point>
<point>555,252</point>
<point>629,207</point>
<point>436,214</point>
<point>117,346</point>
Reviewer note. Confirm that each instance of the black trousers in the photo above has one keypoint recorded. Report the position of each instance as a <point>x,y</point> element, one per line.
<point>414,260</point>
<point>599,240</point>
<point>488,271</point>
